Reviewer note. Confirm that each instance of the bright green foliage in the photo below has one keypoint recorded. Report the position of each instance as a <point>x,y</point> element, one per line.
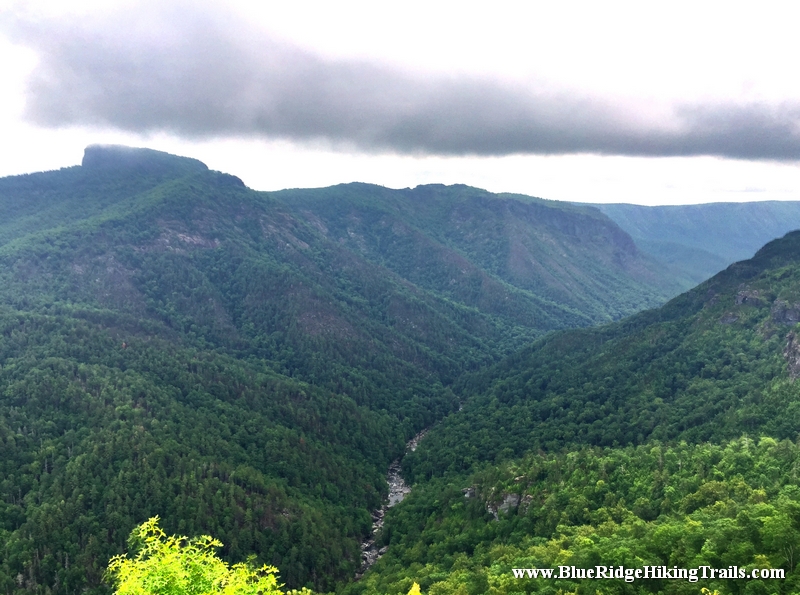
<point>182,566</point>
<point>688,384</point>
<point>95,436</point>
<point>175,344</point>
<point>248,364</point>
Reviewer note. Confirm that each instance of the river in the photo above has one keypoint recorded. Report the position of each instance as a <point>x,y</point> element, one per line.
<point>397,491</point>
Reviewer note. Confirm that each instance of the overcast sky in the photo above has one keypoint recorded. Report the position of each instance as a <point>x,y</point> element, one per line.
<point>598,102</point>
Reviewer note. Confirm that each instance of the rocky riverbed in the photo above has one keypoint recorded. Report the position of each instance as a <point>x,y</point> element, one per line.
<point>397,491</point>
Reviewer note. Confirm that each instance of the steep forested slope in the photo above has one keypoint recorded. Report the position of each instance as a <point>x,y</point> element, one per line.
<point>176,344</point>
<point>666,439</point>
<point>712,363</point>
<point>697,241</point>
<point>103,424</point>
<point>733,507</point>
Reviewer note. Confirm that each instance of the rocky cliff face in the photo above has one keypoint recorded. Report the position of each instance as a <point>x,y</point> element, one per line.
<point>120,158</point>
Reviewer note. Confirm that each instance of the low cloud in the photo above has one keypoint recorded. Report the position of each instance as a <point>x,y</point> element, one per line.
<point>203,74</point>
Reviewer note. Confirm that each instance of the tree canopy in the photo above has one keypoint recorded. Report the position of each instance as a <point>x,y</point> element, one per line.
<point>178,565</point>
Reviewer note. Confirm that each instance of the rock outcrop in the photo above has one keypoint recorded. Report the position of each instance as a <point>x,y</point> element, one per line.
<point>792,354</point>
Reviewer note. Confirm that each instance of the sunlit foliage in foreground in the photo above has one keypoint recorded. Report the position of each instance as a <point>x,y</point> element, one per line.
<point>179,565</point>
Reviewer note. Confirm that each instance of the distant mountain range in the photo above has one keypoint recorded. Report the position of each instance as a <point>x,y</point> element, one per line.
<point>666,440</point>
<point>698,241</point>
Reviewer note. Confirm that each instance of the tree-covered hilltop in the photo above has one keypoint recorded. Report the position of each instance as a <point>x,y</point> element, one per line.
<point>175,344</point>
<point>258,274</point>
<point>110,182</point>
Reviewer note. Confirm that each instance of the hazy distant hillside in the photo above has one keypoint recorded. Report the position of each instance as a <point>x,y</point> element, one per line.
<point>697,241</point>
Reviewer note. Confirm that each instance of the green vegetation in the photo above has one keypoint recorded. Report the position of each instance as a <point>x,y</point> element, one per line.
<point>247,365</point>
<point>669,438</point>
<point>530,262</point>
<point>709,365</point>
<point>736,504</point>
<point>182,566</point>
<point>175,344</point>
<point>101,428</point>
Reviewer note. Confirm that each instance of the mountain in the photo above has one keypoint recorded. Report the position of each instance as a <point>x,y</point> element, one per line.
<point>710,364</point>
<point>526,260</point>
<point>667,439</point>
<point>698,241</point>
<point>248,364</point>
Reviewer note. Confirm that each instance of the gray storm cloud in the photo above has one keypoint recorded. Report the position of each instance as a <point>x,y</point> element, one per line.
<point>202,74</point>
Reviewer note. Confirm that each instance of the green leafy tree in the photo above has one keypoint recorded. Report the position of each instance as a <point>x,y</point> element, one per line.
<point>178,565</point>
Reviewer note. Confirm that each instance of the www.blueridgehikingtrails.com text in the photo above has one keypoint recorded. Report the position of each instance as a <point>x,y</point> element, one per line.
<point>649,572</point>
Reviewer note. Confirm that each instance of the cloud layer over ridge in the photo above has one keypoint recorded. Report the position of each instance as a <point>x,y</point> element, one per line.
<point>202,74</point>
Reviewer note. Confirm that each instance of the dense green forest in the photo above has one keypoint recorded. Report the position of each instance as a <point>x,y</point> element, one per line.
<point>247,365</point>
<point>99,431</point>
<point>709,365</point>
<point>669,438</point>
<point>518,257</point>
<point>682,505</point>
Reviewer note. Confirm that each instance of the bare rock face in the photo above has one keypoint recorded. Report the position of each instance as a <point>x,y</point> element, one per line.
<point>751,297</point>
<point>508,502</point>
<point>792,355</point>
<point>784,313</point>
<point>525,503</point>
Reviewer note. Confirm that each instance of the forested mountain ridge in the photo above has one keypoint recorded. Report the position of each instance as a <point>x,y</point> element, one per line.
<point>106,184</point>
<point>176,344</point>
<point>515,256</point>
<point>698,241</point>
